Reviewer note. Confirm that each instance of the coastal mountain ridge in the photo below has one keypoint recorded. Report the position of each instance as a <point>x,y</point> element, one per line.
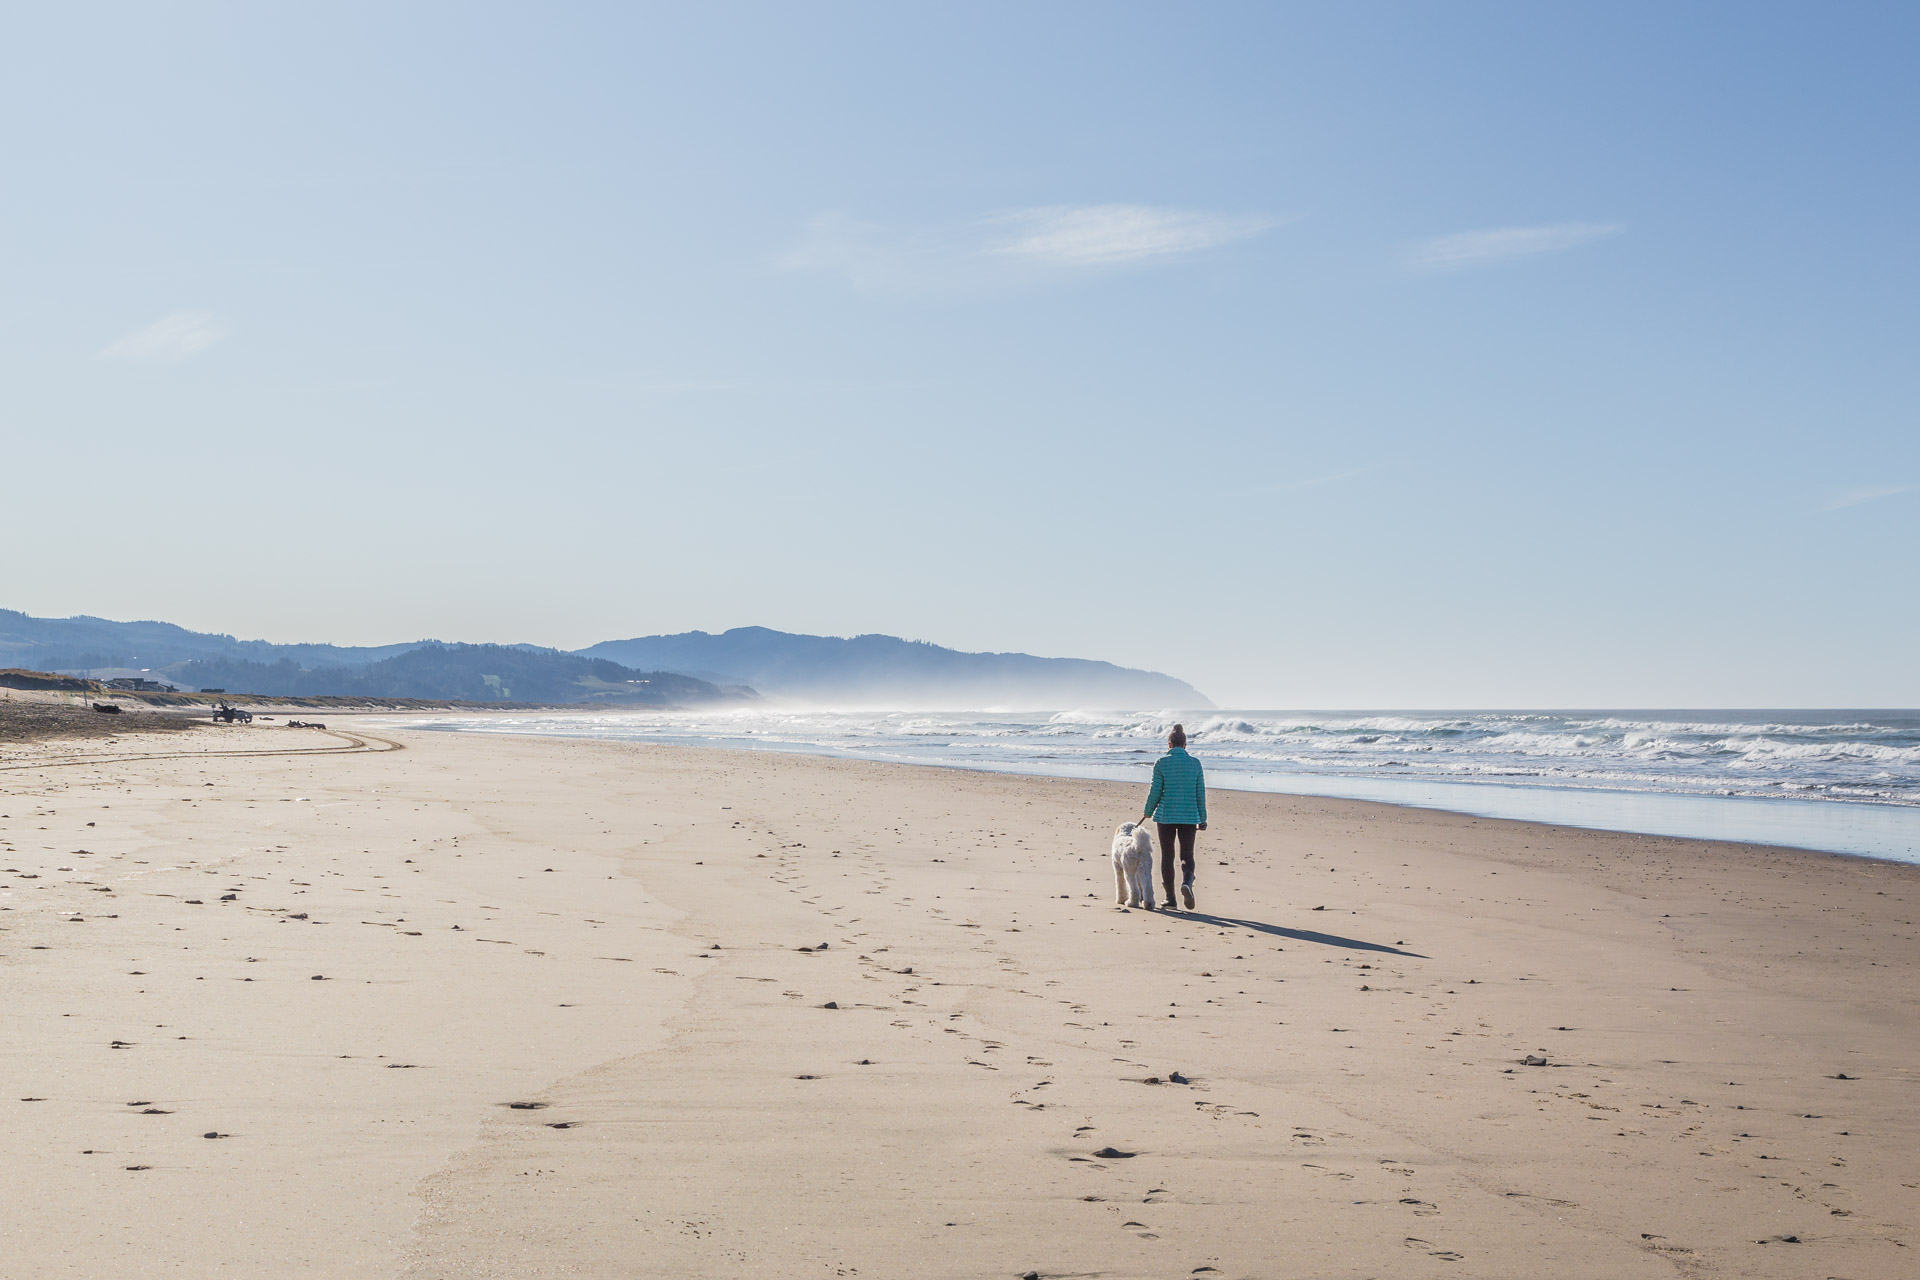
<point>886,671</point>
<point>743,663</point>
<point>468,673</point>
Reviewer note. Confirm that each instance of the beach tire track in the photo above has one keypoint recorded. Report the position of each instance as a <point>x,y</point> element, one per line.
<point>357,744</point>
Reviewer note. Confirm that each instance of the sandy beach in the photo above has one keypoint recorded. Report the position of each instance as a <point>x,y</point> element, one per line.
<point>380,1002</point>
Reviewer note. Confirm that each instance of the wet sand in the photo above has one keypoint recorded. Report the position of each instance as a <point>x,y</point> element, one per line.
<point>271,1014</point>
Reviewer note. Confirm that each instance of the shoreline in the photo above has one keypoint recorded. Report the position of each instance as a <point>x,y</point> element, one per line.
<point>1885,832</point>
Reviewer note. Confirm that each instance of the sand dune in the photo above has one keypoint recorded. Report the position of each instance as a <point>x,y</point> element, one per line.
<point>434,1005</point>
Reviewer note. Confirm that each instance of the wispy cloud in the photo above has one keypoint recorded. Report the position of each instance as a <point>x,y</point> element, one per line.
<point>1010,248</point>
<point>1111,235</point>
<point>1351,473</point>
<point>1315,482</point>
<point>1499,244</point>
<point>170,338</point>
<point>1868,493</point>
<point>867,254</point>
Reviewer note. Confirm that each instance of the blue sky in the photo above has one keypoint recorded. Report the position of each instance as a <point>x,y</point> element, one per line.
<point>1324,355</point>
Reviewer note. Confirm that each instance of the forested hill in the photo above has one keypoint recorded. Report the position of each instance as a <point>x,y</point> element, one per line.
<point>862,671</point>
<point>472,672</point>
<point>885,671</point>
<point>66,644</point>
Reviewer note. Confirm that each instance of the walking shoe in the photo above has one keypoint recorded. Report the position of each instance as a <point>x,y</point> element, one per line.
<point>1186,894</point>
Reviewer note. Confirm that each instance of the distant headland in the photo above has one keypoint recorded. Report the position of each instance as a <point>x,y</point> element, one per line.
<point>694,668</point>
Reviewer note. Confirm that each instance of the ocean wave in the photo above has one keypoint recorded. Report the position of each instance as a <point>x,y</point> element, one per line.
<point>1825,756</point>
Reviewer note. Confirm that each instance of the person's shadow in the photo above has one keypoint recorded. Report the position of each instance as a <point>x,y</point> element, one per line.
<point>1298,935</point>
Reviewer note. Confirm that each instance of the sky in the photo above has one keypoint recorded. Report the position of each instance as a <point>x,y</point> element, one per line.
<point>1323,355</point>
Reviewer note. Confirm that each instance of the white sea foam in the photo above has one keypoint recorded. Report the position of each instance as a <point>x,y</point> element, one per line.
<point>1846,759</point>
<point>1849,760</point>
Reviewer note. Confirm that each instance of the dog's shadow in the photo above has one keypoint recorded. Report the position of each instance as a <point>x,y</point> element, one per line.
<point>1298,935</point>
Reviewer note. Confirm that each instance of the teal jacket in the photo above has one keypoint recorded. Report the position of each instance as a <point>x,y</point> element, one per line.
<point>1179,789</point>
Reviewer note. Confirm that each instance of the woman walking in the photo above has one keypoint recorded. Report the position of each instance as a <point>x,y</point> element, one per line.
<point>1179,800</point>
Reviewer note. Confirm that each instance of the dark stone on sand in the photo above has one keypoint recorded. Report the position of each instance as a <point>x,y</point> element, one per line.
<point>821,947</point>
<point>211,1134</point>
<point>561,1124</point>
<point>1844,1076</point>
<point>1114,1153</point>
<point>1533,1060</point>
<point>138,1168</point>
<point>528,1106</point>
<point>866,1062</point>
<point>1319,908</point>
<point>1029,1275</point>
<point>156,1111</point>
<point>1177,1078</point>
<point>831,1004</point>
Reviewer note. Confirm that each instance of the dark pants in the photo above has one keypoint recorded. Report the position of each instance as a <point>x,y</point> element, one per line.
<point>1168,830</point>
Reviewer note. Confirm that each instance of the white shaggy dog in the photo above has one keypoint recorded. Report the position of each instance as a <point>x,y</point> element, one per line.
<point>1133,866</point>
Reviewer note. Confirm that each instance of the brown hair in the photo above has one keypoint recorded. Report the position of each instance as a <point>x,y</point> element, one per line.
<point>1178,738</point>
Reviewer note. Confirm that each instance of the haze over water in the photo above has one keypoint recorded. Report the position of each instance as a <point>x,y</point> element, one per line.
<point>1838,780</point>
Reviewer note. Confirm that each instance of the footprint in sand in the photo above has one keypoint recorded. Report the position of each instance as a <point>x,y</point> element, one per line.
<point>1528,1195</point>
<point>1331,1173</point>
<point>1426,1247</point>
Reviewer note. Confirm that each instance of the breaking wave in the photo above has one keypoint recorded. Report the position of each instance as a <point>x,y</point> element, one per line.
<point>1843,757</point>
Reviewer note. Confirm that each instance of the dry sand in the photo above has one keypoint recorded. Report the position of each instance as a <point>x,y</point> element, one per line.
<point>269,1015</point>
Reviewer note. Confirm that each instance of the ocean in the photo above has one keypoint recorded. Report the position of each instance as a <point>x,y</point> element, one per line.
<point>1838,781</point>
